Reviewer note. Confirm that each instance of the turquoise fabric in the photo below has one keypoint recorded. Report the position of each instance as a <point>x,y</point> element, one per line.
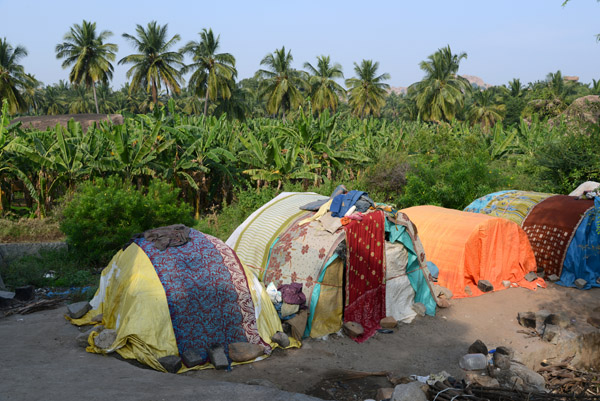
<point>582,259</point>
<point>417,280</point>
<point>480,203</point>
<point>314,298</point>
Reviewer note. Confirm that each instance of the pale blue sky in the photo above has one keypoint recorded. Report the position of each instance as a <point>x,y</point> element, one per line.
<point>504,39</point>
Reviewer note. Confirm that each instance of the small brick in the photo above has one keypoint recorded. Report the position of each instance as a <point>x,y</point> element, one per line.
<point>171,363</point>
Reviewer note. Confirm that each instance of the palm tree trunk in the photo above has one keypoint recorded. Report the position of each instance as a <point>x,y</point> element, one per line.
<point>206,102</point>
<point>154,92</point>
<point>95,98</point>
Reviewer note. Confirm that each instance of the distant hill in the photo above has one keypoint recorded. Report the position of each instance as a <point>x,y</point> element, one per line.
<point>401,90</point>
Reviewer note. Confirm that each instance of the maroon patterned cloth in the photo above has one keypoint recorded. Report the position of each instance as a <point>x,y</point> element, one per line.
<point>365,273</point>
<point>550,226</point>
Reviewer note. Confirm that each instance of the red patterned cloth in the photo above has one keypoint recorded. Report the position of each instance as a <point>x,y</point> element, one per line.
<point>365,273</point>
<point>550,226</point>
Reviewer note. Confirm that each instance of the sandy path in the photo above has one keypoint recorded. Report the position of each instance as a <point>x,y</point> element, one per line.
<point>39,357</point>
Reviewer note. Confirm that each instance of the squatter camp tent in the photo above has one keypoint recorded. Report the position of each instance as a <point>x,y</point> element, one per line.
<point>175,289</point>
<point>469,247</point>
<point>376,254</point>
<point>562,230</point>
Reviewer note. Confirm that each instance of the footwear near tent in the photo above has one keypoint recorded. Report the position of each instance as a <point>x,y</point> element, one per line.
<point>469,247</point>
<point>560,229</point>
<point>188,297</point>
<point>309,251</point>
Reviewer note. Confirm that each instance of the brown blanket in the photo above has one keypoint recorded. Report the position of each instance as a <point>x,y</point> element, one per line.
<point>168,236</point>
<point>550,226</point>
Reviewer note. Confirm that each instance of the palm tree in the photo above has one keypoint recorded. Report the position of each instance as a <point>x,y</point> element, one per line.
<point>324,91</point>
<point>441,93</point>
<point>212,70</point>
<point>484,111</point>
<point>516,88</point>
<point>13,79</point>
<point>367,91</point>
<point>89,55</point>
<point>153,63</point>
<point>282,84</point>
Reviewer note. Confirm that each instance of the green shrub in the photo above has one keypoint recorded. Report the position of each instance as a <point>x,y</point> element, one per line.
<point>103,215</point>
<point>571,160</point>
<point>451,183</point>
<point>53,268</point>
<point>386,179</point>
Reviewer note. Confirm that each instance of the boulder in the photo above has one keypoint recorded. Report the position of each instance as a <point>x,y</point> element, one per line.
<point>420,308</point>
<point>485,286</point>
<point>594,320</point>
<point>540,320</point>
<point>98,318</point>
<point>281,339</point>
<point>384,393</point>
<point>440,291</point>
<point>171,363</point>
<point>243,352</point>
<point>531,276</point>
<point>506,283</point>
<point>478,347</point>
<point>409,392</point>
<point>78,309</point>
<point>505,351</point>
<point>192,358</point>
<point>559,319</point>
<point>526,319</point>
<point>82,338</point>
<point>482,380</point>
<point>501,361</point>
<point>551,333</point>
<point>580,283</point>
<point>532,381</point>
<point>553,278</point>
<point>105,339</point>
<point>216,355</point>
<point>353,329</point>
<point>388,322</point>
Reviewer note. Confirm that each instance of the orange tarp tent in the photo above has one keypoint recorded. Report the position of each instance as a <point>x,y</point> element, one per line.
<point>468,247</point>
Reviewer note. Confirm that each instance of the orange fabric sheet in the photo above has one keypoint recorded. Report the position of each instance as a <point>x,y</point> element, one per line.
<point>468,247</point>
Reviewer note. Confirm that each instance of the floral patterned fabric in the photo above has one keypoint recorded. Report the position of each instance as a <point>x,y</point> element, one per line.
<point>300,254</point>
<point>365,273</point>
<point>207,293</point>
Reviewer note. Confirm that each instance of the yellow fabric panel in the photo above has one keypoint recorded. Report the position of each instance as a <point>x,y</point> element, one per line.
<point>135,305</point>
<point>320,213</point>
<point>328,312</point>
<point>266,316</point>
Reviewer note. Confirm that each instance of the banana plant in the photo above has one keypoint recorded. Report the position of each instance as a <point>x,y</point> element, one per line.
<point>133,151</point>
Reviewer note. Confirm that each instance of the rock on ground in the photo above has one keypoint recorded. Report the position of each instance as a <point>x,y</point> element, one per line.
<point>409,392</point>
<point>243,352</point>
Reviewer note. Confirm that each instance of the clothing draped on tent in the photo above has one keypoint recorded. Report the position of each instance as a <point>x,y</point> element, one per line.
<point>400,229</point>
<point>582,259</point>
<point>253,238</point>
<point>365,273</point>
<point>303,254</point>
<point>207,293</point>
<point>468,247</point>
<point>550,226</point>
<point>512,205</point>
<point>162,303</point>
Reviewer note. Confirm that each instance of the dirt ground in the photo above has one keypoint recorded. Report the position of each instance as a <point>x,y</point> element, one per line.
<point>39,357</point>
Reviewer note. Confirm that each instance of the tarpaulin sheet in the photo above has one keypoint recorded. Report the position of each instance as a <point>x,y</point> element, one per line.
<point>468,247</point>
<point>583,256</point>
